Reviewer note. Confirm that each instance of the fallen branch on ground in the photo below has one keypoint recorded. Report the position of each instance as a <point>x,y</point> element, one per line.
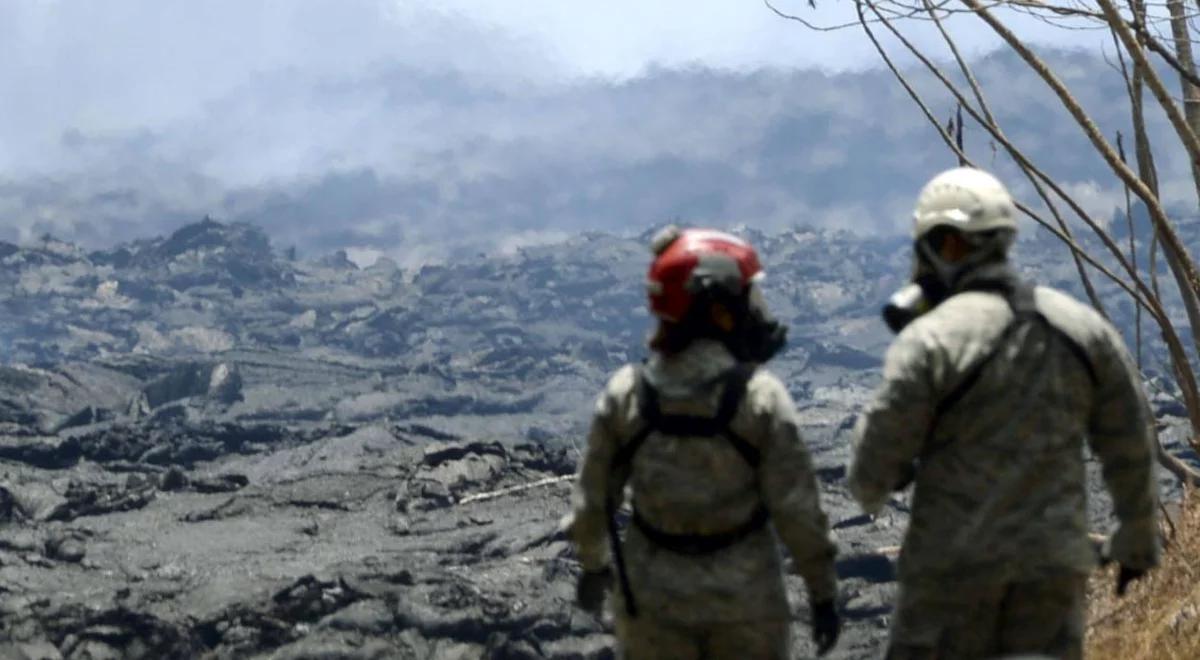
<point>515,489</point>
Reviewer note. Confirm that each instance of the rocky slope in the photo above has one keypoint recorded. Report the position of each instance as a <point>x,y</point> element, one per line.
<point>208,448</point>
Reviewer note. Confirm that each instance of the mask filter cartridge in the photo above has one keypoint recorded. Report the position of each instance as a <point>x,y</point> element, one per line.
<point>905,305</point>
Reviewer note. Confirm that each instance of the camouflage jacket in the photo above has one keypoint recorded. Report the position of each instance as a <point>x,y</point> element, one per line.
<point>702,485</point>
<point>1004,496</point>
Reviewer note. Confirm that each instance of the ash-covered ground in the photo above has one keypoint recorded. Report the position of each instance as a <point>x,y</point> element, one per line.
<point>211,448</point>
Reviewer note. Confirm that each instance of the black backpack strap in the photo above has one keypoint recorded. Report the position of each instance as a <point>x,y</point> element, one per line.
<point>960,390</point>
<point>650,415</point>
<point>1076,350</point>
<point>736,383</point>
<point>702,544</point>
<point>614,541</point>
<point>1024,304</point>
<point>1021,298</point>
<point>647,399</point>
<point>736,380</point>
<point>653,419</point>
<point>648,411</point>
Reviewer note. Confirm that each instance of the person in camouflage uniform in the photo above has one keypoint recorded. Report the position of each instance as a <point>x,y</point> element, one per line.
<point>708,446</point>
<point>987,400</point>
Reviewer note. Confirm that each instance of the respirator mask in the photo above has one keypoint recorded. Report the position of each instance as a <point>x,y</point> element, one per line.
<point>759,336</point>
<point>935,279</point>
<point>905,306</point>
<point>926,289</point>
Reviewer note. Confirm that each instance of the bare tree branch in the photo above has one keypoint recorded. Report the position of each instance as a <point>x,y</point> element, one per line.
<point>1182,265</point>
<point>1187,73</point>
<point>1130,37</point>
<point>994,127</point>
<point>1021,159</point>
<point>1154,310</point>
<point>1181,363</point>
<point>1132,251</point>
<point>1178,258</point>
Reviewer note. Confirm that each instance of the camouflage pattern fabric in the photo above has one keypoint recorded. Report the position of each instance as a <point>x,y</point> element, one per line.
<point>1044,617</point>
<point>701,485</point>
<point>1005,499</point>
<point>647,638</point>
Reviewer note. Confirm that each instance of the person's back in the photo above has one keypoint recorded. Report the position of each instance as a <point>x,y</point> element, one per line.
<point>687,485</point>
<point>987,401</point>
<point>1002,490</point>
<point>708,445</point>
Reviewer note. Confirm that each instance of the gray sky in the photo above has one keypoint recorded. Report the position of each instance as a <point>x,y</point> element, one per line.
<point>622,37</point>
<point>127,117</point>
<point>132,64</point>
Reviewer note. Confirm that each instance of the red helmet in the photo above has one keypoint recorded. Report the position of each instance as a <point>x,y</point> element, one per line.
<point>690,261</point>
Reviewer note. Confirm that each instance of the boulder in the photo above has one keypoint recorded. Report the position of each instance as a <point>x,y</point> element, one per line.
<point>86,416</point>
<point>220,382</point>
<point>46,452</point>
<point>37,500</point>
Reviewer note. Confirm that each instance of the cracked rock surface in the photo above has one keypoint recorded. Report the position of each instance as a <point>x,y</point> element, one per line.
<point>208,449</point>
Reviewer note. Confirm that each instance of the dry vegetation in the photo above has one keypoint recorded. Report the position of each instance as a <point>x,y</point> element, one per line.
<point>1160,615</point>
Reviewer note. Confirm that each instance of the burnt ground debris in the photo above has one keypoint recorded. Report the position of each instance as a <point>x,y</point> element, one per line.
<point>209,450</point>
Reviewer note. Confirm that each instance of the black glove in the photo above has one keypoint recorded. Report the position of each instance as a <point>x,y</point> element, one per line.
<point>826,626</point>
<point>1125,576</point>
<point>590,590</point>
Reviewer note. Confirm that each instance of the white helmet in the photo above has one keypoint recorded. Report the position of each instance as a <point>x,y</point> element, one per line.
<point>965,199</point>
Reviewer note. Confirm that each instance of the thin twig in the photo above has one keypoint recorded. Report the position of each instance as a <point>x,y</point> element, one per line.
<point>1025,209</point>
<point>1182,265</point>
<point>1132,252</point>
<point>1022,160</point>
<point>549,481</point>
<point>1181,364</point>
<point>994,126</point>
